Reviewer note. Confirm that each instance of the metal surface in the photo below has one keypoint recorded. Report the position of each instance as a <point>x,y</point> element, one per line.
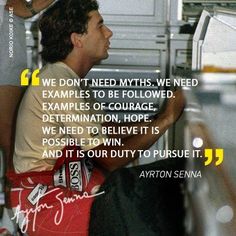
<point>214,41</point>
<point>138,12</point>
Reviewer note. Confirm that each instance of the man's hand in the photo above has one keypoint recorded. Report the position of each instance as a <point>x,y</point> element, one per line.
<point>20,9</point>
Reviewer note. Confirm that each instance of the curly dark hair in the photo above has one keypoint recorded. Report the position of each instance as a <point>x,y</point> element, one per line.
<point>57,24</point>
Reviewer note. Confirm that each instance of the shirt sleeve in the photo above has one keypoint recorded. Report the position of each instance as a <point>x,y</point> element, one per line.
<point>83,117</point>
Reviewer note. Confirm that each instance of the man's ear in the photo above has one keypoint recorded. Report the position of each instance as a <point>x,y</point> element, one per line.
<point>76,40</point>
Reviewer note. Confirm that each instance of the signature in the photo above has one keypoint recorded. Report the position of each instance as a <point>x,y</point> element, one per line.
<point>24,222</point>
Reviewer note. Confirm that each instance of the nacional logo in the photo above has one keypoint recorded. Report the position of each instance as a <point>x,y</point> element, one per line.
<point>36,193</point>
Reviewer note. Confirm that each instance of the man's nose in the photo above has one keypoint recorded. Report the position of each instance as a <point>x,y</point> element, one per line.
<point>108,33</point>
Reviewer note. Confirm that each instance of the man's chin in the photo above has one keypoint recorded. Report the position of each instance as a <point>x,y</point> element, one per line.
<point>105,56</point>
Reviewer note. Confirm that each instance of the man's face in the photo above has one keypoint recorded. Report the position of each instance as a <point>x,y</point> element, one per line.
<point>96,40</point>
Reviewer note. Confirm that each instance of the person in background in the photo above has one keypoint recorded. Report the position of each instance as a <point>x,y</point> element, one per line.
<point>13,62</point>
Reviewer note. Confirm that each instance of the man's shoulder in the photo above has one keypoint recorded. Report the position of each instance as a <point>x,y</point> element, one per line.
<point>57,70</point>
<point>51,71</point>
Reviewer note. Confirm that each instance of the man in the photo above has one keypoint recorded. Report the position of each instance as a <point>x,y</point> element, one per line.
<point>74,38</point>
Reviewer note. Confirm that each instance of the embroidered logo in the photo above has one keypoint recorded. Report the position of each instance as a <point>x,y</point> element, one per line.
<point>75,175</point>
<point>35,194</point>
<point>60,177</point>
